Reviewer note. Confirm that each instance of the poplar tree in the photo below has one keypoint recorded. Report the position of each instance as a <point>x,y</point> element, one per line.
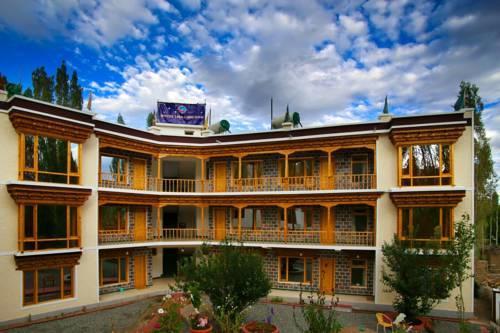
<point>485,182</point>
<point>28,92</point>
<point>120,120</point>
<point>43,85</point>
<point>75,93</point>
<point>62,87</point>
<point>3,82</point>
<point>150,120</point>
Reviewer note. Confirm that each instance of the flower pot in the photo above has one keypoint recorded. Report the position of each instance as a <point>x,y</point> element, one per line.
<point>201,330</point>
<point>417,325</point>
<point>259,327</point>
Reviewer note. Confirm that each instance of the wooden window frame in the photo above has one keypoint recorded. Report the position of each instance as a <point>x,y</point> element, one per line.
<point>441,214</point>
<point>36,240</point>
<point>235,169</point>
<point>440,177</point>
<point>234,217</point>
<point>304,278</point>
<point>365,268</point>
<point>282,160</point>
<point>36,171</point>
<point>35,284</point>
<point>120,282</point>
<point>126,221</point>
<point>361,212</point>
<point>121,179</point>
<point>308,215</point>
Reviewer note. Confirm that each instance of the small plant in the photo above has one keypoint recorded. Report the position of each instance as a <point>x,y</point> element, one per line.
<point>199,321</point>
<point>320,316</point>
<point>170,319</point>
<point>400,326</point>
<point>259,327</point>
<point>276,299</point>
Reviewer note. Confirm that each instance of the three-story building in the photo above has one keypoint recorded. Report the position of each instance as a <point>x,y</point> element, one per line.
<point>89,207</point>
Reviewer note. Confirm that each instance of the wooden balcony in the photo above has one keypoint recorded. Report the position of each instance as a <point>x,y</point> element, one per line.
<point>348,238</point>
<point>263,184</point>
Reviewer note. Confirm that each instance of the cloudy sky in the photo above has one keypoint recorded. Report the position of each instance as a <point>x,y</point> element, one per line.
<point>332,61</point>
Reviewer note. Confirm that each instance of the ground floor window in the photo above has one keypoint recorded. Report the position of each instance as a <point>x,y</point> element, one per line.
<point>113,270</point>
<point>295,269</point>
<point>358,273</point>
<point>43,285</point>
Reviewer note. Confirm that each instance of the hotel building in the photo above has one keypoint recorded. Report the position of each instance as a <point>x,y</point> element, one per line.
<point>89,207</point>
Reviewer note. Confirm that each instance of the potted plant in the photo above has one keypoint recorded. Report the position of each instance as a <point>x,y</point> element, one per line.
<point>261,326</point>
<point>200,324</point>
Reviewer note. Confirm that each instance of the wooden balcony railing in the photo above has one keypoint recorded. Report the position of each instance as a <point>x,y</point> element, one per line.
<point>354,238</point>
<point>271,184</point>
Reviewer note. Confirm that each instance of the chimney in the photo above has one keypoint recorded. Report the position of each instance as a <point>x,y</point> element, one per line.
<point>288,125</point>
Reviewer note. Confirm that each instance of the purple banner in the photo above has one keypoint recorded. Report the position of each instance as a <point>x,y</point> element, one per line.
<point>180,113</point>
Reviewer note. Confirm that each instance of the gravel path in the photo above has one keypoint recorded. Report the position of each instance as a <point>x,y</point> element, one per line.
<point>119,319</point>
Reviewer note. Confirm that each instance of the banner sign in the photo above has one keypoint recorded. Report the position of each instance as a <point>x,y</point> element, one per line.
<point>184,114</point>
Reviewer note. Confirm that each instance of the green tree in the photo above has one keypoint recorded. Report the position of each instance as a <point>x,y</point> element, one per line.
<point>62,87</point>
<point>3,82</point>
<point>420,277</point>
<point>75,92</point>
<point>150,120</point>
<point>485,181</point>
<point>119,119</point>
<point>43,85</point>
<point>14,89</point>
<point>232,277</point>
<point>28,92</point>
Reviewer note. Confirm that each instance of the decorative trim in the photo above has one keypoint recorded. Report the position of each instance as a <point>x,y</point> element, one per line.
<point>40,125</point>
<point>403,136</point>
<point>434,198</point>
<point>26,263</point>
<point>32,194</point>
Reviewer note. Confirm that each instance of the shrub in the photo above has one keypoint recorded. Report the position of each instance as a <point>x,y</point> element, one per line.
<point>320,316</point>
<point>171,321</point>
<point>232,277</point>
<point>276,299</point>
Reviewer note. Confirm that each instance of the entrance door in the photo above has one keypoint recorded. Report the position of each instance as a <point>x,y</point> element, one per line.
<point>140,272</point>
<point>170,262</point>
<point>139,174</point>
<point>327,278</point>
<point>324,183</point>
<point>220,223</point>
<point>140,224</point>
<point>220,177</point>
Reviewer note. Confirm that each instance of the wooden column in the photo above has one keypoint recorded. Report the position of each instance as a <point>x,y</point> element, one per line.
<point>202,222</point>
<point>330,179</point>
<point>239,223</point>
<point>159,174</point>
<point>158,222</point>
<point>239,173</point>
<point>203,176</point>
<point>286,165</point>
<point>285,222</point>
<point>331,236</point>
<point>375,225</point>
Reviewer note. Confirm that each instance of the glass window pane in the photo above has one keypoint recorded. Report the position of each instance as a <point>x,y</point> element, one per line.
<point>426,160</point>
<point>28,221</point>
<point>357,276</point>
<point>283,269</point>
<point>113,218</point>
<point>68,281</point>
<point>109,271</point>
<point>406,222</point>
<point>296,218</point>
<point>360,222</point>
<point>51,221</point>
<point>308,167</point>
<point>123,269</point>
<point>426,222</point>
<point>52,155</point>
<point>73,221</point>
<point>29,151</point>
<point>445,159</point>
<point>49,284</point>
<point>446,222</point>
<point>258,218</point>
<point>308,270</point>
<point>296,269</point>
<point>405,160</point>
<point>247,219</point>
<point>29,287</point>
<point>74,162</point>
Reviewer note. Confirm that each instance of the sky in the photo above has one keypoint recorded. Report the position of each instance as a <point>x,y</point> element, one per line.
<point>331,61</point>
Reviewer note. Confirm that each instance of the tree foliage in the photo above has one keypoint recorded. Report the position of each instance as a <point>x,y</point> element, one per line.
<point>43,85</point>
<point>75,92</point>
<point>120,120</point>
<point>233,278</point>
<point>3,82</point>
<point>150,120</point>
<point>485,182</point>
<point>62,85</point>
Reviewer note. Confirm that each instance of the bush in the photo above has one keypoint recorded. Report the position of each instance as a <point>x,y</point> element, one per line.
<point>320,316</point>
<point>276,299</point>
<point>232,277</point>
<point>171,321</point>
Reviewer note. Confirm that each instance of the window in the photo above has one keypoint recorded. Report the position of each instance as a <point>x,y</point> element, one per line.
<point>43,285</point>
<point>358,273</point>
<point>51,160</point>
<point>360,217</point>
<point>113,270</point>
<point>297,167</point>
<point>113,219</point>
<point>359,164</point>
<point>249,169</point>
<point>251,218</point>
<point>48,227</point>
<point>425,223</point>
<point>422,165</point>
<point>114,170</point>
<point>299,218</point>
<point>295,269</point>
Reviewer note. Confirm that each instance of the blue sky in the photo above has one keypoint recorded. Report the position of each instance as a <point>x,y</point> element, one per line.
<point>332,61</point>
